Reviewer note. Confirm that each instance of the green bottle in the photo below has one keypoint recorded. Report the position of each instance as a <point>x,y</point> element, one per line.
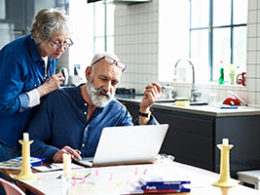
<point>221,78</point>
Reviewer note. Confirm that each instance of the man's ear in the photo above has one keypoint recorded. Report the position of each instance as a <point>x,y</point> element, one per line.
<point>88,72</point>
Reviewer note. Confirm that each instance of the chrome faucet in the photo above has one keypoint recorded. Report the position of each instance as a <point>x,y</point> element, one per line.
<point>194,91</point>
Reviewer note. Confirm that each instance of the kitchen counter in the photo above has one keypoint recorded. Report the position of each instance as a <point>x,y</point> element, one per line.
<point>201,109</point>
<point>194,132</point>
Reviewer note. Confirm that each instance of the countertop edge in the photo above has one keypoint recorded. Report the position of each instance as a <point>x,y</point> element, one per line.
<point>198,109</point>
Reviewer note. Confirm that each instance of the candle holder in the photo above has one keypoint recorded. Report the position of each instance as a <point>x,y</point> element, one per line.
<point>225,180</point>
<point>66,166</point>
<point>26,172</point>
<point>66,173</point>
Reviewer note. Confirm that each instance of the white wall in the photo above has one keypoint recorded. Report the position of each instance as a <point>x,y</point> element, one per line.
<point>81,52</point>
<point>173,37</point>
<point>136,43</point>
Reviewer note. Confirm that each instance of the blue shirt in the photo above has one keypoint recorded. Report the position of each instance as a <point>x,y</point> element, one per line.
<point>62,121</point>
<point>21,70</point>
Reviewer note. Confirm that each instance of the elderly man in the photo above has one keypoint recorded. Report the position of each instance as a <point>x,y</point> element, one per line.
<point>71,120</point>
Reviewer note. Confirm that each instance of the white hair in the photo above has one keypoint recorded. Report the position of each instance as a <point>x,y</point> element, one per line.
<point>48,22</point>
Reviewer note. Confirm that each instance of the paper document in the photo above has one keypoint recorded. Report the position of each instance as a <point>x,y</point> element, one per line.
<point>55,167</point>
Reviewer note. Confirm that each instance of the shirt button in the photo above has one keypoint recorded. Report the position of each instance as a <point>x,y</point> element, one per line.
<point>85,104</point>
<point>85,113</point>
<point>83,145</point>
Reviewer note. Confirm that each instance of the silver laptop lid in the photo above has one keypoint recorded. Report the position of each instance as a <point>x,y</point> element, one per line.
<point>129,144</point>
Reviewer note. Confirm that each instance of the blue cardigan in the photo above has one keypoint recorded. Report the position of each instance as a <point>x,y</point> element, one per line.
<point>21,70</point>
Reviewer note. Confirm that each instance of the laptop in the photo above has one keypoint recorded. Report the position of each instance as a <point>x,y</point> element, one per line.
<point>127,145</point>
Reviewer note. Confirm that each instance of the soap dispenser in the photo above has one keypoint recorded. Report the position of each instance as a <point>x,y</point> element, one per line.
<point>221,77</point>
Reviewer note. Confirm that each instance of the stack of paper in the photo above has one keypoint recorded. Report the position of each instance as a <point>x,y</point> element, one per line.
<point>16,163</point>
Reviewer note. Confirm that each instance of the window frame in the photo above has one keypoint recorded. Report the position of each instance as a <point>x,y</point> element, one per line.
<point>106,35</point>
<point>211,29</point>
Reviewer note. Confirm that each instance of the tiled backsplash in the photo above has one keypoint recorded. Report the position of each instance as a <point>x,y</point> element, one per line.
<point>253,52</point>
<point>136,43</point>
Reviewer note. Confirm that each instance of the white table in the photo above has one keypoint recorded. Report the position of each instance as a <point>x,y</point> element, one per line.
<point>201,181</point>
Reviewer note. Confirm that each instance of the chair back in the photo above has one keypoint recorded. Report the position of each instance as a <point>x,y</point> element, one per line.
<point>10,189</point>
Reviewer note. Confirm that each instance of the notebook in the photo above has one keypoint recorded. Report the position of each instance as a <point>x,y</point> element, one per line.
<point>128,145</point>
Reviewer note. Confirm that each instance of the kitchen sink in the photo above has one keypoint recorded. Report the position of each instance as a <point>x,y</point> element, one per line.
<point>172,100</point>
<point>198,103</point>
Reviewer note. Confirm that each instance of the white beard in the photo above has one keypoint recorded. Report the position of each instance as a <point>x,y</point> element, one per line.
<point>94,94</point>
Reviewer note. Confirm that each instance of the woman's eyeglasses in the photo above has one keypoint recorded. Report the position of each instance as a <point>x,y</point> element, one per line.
<point>64,45</point>
<point>111,61</point>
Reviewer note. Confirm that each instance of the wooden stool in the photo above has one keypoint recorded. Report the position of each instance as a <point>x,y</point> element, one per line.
<point>250,177</point>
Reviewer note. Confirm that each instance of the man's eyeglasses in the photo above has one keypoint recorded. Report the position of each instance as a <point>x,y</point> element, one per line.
<point>65,45</point>
<point>111,61</point>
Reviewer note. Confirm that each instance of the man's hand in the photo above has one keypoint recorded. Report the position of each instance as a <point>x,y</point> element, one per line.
<point>51,84</point>
<point>151,94</point>
<point>75,154</point>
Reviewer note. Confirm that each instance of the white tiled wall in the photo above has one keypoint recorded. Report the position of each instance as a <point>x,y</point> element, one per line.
<point>136,43</point>
<point>253,52</point>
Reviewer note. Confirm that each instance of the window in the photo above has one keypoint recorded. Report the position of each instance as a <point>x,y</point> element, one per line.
<point>81,53</point>
<point>2,9</point>
<point>217,36</point>
<point>103,26</point>
<point>93,31</point>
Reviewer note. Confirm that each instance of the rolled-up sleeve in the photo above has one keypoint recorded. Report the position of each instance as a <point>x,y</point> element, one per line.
<point>24,101</point>
<point>152,121</point>
<point>34,97</point>
<point>126,119</point>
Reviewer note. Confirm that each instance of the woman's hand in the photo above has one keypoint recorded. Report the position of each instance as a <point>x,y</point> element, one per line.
<point>51,84</point>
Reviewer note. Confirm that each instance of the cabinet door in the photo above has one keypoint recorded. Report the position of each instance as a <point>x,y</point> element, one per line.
<point>243,133</point>
<point>189,138</point>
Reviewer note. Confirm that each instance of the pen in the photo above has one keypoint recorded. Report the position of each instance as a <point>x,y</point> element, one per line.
<point>48,166</point>
<point>59,177</point>
<point>78,177</point>
<point>228,107</point>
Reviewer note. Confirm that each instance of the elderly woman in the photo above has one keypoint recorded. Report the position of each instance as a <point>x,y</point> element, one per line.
<point>27,73</point>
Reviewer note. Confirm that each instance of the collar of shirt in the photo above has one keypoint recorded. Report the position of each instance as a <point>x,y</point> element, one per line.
<point>39,62</point>
<point>34,51</point>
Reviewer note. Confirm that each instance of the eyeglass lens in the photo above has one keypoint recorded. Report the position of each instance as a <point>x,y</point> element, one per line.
<point>112,61</point>
<point>67,44</point>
